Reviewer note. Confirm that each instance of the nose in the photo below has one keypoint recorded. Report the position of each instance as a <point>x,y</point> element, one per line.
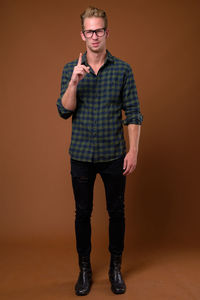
<point>94,36</point>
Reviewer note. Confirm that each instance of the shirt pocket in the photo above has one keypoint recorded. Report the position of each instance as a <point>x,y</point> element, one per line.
<point>115,92</point>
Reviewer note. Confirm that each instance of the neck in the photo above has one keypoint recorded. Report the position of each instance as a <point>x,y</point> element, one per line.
<point>96,58</point>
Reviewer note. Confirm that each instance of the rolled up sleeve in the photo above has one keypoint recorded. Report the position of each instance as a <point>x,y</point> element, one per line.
<point>63,112</point>
<point>130,101</point>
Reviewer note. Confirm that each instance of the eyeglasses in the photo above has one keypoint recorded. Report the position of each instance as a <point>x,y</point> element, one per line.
<point>99,32</point>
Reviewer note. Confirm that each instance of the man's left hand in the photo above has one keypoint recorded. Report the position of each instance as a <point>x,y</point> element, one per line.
<point>130,162</point>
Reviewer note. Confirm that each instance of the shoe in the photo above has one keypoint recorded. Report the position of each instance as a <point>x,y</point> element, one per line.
<point>84,281</point>
<point>117,283</point>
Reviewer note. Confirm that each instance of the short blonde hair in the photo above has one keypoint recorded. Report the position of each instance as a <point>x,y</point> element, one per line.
<point>94,12</point>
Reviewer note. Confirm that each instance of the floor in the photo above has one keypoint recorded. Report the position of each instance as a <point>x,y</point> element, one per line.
<point>48,271</point>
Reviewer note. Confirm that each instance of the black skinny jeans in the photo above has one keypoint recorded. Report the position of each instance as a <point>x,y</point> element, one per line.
<point>83,177</point>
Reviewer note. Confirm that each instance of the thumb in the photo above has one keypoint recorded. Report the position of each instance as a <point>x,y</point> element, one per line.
<point>125,163</point>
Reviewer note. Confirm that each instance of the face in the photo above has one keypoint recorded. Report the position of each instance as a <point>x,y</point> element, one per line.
<point>95,44</point>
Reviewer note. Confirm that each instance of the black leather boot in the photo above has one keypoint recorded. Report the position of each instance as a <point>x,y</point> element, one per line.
<point>84,282</point>
<point>117,283</point>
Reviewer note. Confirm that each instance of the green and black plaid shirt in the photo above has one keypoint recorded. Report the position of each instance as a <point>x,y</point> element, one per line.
<point>97,125</point>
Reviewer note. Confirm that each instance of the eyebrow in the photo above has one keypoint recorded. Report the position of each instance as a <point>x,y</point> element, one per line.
<point>94,29</point>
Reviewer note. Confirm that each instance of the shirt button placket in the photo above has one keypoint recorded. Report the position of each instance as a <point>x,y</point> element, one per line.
<point>95,120</point>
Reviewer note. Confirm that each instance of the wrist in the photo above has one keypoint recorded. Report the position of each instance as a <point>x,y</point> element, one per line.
<point>73,84</point>
<point>133,150</point>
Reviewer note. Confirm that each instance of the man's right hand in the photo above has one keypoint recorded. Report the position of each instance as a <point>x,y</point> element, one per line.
<point>79,71</point>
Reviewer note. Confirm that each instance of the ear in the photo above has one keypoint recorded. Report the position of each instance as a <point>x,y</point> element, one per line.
<point>82,36</point>
<point>107,33</point>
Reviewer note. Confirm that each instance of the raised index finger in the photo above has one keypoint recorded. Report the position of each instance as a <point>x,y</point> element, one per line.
<point>79,59</point>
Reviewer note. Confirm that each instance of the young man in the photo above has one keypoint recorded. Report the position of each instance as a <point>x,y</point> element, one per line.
<point>94,90</point>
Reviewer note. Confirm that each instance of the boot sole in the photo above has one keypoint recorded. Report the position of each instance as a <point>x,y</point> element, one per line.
<point>85,293</point>
<point>117,292</point>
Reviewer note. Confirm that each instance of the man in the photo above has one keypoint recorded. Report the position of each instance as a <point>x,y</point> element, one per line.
<point>94,90</point>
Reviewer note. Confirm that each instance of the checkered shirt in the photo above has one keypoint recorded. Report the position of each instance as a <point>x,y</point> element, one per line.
<point>97,125</point>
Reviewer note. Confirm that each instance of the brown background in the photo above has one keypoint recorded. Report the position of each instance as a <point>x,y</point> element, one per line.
<point>161,42</point>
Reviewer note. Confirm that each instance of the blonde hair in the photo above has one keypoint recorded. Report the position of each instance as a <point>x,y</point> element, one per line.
<point>93,12</point>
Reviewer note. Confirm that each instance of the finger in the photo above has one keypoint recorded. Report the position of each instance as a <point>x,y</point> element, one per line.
<point>127,171</point>
<point>128,167</point>
<point>132,168</point>
<point>125,166</point>
<point>79,59</point>
<point>81,69</point>
<point>125,163</point>
<point>87,69</point>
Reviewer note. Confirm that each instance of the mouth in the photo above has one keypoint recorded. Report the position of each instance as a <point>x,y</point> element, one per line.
<point>95,44</point>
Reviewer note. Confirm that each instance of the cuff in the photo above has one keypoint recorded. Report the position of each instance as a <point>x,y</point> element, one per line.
<point>63,112</point>
<point>133,120</point>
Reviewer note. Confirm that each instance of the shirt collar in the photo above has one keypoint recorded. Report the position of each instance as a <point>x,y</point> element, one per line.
<point>109,58</point>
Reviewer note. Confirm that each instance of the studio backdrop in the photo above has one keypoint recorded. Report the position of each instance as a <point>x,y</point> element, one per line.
<point>160,40</point>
